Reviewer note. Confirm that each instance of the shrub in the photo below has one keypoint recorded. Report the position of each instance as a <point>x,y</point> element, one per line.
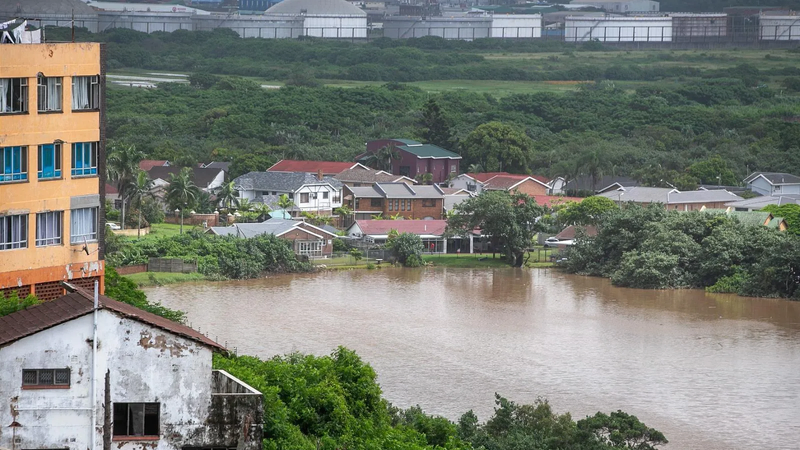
<point>407,246</point>
<point>124,290</point>
<point>13,303</point>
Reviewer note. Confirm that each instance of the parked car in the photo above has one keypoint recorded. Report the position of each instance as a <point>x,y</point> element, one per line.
<point>551,242</point>
<point>113,226</point>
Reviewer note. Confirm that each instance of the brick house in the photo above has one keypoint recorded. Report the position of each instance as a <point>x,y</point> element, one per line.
<point>417,158</point>
<point>502,181</point>
<point>395,199</point>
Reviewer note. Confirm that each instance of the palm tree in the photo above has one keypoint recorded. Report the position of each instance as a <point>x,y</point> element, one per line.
<point>226,196</point>
<point>425,178</point>
<point>263,211</point>
<point>382,159</point>
<point>139,189</point>
<point>182,191</point>
<point>122,165</point>
<point>284,202</point>
<point>475,168</point>
<point>245,205</point>
<point>593,163</point>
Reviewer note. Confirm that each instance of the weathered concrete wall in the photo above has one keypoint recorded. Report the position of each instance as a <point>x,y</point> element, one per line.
<point>146,365</point>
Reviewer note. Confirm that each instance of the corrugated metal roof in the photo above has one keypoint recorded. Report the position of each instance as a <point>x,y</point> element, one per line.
<point>429,151</point>
<point>30,321</point>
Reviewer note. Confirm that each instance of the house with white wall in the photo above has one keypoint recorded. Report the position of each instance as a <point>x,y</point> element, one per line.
<point>773,183</point>
<point>73,374</point>
<point>319,193</point>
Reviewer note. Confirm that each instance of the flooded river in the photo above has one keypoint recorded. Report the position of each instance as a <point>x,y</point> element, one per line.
<point>710,371</point>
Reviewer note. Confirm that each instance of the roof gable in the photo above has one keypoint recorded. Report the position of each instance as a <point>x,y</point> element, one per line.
<point>20,324</point>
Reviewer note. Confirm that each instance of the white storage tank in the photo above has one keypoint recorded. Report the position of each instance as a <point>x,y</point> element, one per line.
<point>459,28</point>
<point>324,18</point>
<point>516,26</point>
<point>780,28</point>
<point>618,29</point>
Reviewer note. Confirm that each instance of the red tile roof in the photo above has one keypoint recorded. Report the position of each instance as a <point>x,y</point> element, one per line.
<point>541,178</point>
<point>111,189</point>
<point>147,164</point>
<point>419,227</point>
<point>327,167</point>
<point>571,231</point>
<point>503,182</point>
<point>20,324</point>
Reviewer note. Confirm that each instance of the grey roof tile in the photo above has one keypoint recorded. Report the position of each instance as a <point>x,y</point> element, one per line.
<point>281,181</point>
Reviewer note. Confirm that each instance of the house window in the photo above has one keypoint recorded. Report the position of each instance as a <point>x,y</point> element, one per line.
<point>453,168</point>
<point>14,165</point>
<point>304,197</point>
<point>85,93</point>
<point>325,195</point>
<point>405,171</point>
<point>309,248</point>
<point>396,204</point>
<point>83,225</point>
<point>428,203</point>
<point>402,205</point>
<point>13,232</point>
<point>49,161</point>
<point>84,159</point>
<point>48,228</point>
<point>45,378</point>
<point>49,94</point>
<point>391,205</point>
<point>13,95</point>
<point>472,187</point>
<point>376,202</point>
<point>136,419</point>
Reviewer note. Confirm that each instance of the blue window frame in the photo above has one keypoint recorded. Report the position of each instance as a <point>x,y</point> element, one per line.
<point>14,165</point>
<point>49,161</point>
<point>84,159</point>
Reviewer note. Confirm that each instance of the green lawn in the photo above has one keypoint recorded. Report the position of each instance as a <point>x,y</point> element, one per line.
<point>160,278</point>
<point>158,230</point>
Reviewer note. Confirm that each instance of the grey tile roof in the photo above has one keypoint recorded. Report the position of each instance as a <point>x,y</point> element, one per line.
<point>718,195</point>
<point>366,192</point>
<point>775,177</point>
<point>397,190</point>
<point>248,230</point>
<point>761,202</point>
<point>281,181</point>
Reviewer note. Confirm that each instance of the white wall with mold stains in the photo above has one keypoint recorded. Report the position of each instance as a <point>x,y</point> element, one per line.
<point>147,364</point>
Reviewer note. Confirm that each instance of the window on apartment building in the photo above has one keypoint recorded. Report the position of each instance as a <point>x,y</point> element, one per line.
<point>13,95</point>
<point>136,419</point>
<point>376,202</point>
<point>48,228</point>
<point>84,159</point>
<point>45,378</point>
<point>83,225</point>
<point>304,197</point>
<point>428,203</point>
<point>14,165</point>
<point>13,232</point>
<point>325,195</point>
<point>49,93</point>
<point>85,93</point>
<point>49,161</point>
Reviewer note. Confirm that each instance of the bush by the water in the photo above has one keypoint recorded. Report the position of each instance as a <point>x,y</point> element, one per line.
<point>657,249</point>
<point>334,402</point>
<point>216,256</point>
<point>124,290</point>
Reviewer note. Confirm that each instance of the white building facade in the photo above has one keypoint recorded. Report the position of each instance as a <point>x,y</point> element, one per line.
<point>162,390</point>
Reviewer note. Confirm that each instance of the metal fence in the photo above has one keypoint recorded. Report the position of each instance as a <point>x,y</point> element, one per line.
<point>731,32</point>
<point>374,256</point>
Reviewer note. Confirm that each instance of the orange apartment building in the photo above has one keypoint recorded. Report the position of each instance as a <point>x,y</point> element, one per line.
<point>52,167</point>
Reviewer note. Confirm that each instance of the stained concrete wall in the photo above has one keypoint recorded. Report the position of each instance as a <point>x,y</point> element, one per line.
<point>146,364</point>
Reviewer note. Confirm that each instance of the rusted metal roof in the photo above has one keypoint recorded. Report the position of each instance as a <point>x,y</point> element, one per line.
<point>20,324</point>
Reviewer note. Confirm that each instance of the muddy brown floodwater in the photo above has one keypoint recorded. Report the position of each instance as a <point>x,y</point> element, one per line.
<point>711,371</point>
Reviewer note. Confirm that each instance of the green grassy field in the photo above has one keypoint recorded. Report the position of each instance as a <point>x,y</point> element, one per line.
<point>160,278</point>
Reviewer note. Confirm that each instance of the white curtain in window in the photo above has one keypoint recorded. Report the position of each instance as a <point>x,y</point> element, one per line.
<point>53,94</point>
<point>80,92</point>
<point>5,85</point>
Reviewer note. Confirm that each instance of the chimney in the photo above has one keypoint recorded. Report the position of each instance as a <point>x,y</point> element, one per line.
<point>319,174</point>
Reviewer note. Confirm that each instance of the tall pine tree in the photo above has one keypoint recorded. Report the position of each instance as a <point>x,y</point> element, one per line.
<point>436,130</point>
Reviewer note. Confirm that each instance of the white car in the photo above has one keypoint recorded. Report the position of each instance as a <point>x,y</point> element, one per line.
<point>113,226</point>
<point>551,242</point>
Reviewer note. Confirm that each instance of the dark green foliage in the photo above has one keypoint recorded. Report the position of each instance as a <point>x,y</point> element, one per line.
<point>216,256</point>
<point>340,245</point>
<point>435,127</point>
<point>11,302</point>
<point>124,290</point>
<point>407,248</point>
<point>714,170</point>
<point>655,249</point>
<point>790,213</point>
<point>620,430</point>
<point>588,212</point>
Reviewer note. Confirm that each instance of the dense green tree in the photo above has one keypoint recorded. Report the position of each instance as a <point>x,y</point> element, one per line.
<point>435,128</point>
<point>407,248</point>
<point>182,192</point>
<point>713,171</point>
<point>620,430</point>
<point>498,147</point>
<point>510,220</point>
<point>587,212</point>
